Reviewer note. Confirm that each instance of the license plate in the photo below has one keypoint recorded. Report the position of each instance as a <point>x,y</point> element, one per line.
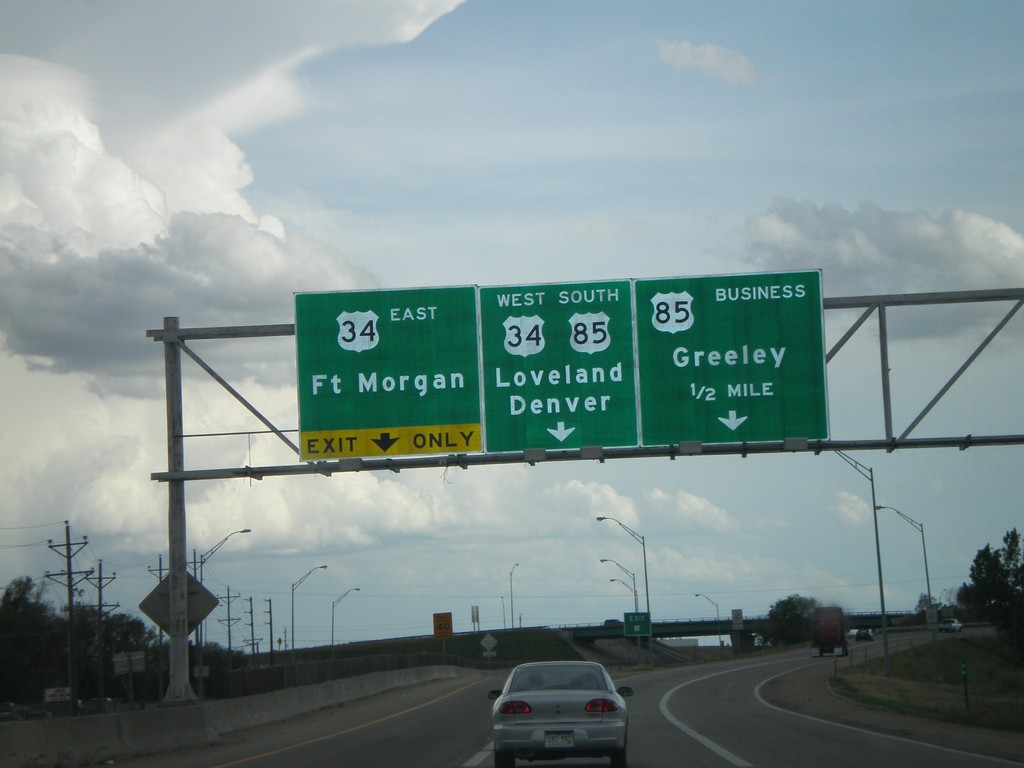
<point>558,739</point>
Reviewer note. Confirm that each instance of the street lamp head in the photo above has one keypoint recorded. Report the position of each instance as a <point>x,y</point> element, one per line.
<point>246,530</point>
<point>602,518</point>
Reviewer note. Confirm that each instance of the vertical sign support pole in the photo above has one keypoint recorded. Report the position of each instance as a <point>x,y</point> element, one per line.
<point>883,345</point>
<point>178,688</point>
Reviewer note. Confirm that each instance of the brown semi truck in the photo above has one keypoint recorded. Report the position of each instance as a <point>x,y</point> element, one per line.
<point>828,635</point>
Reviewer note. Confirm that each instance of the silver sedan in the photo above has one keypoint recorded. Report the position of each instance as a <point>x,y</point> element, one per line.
<point>555,709</point>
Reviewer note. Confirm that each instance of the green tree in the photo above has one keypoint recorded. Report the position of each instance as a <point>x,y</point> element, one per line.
<point>34,647</point>
<point>924,603</point>
<point>32,643</point>
<point>996,588</point>
<point>121,634</point>
<point>788,621</point>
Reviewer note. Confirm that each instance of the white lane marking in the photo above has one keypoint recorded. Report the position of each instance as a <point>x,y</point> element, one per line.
<point>480,757</point>
<point>719,750</point>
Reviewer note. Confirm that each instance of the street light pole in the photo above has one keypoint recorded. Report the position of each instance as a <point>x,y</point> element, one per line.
<point>643,546</point>
<point>924,549</point>
<point>335,603</point>
<point>511,599</point>
<point>869,474</point>
<point>294,586</point>
<point>718,621</point>
<point>647,589</point>
<point>636,606</point>
<point>201,629</point>
<point>636,603</point>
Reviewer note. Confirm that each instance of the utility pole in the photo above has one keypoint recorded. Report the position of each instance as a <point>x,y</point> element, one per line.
<point>69,573</point>
<point>229,621</point>
<point>252,635</point>
<point>230,653</point>
<point>270,615</point>
<point>101,613</point>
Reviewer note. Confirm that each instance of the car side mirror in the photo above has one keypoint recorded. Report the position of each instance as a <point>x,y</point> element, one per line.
<point>493,694</point>
<point>625,690</point>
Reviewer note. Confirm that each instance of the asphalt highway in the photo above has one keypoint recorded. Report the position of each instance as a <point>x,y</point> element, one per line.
<point>701,716</point>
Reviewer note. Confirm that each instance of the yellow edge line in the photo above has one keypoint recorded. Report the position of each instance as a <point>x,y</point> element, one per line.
<point>347,730</point>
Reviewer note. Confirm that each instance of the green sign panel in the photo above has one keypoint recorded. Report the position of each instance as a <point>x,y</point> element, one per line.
<point>558,365</point>
<point>724,359</point>
<point>737,358</point>
<point>386,373</point>
<point>636,624</point>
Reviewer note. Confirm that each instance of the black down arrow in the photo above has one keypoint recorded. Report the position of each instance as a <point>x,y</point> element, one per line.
<point>385,441</point>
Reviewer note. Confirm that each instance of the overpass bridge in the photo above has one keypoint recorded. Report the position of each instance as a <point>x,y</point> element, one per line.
<point>745,628</point>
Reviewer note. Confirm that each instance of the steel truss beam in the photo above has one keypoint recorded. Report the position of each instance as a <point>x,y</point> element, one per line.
<point>870,305</point>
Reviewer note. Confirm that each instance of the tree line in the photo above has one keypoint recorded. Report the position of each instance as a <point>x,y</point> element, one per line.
<point>34,636</point>
<point>34,643</point>
<point>994,594</point>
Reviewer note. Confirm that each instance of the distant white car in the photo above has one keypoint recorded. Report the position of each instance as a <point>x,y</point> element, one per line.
<point>950,625</point>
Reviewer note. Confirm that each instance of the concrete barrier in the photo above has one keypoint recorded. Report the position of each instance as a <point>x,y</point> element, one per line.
<point>250,711</point>
<point>71,742</point>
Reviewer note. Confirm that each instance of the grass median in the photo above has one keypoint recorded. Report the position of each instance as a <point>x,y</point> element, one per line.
<point>971,681</point>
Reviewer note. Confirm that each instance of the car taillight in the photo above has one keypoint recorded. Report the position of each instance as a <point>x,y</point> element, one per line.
<point>601,705</point>
<point>515,708</point>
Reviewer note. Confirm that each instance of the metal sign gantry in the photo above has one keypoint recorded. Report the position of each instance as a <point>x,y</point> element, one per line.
<point>176,341</point>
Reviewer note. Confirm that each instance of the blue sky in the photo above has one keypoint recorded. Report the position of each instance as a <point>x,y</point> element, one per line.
<point>186,159</point>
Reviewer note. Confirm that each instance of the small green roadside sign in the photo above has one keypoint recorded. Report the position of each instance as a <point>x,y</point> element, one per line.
<point>387,373</point>
<point>636,624</point>
<point>733,358</point>
<point>558,365</point>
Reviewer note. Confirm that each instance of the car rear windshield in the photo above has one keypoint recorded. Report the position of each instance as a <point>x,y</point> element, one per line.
<point>558,677</point>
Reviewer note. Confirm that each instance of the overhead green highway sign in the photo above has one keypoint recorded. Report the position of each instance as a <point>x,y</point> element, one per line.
<point>558,365</point>
<point>612,364</point>
<point>734,358</point>
<point>389,372</point>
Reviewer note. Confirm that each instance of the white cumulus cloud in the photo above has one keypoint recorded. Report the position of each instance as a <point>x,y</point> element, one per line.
<point>712,61</point>
<point>851,510</point>
<point>874,250</point>
<point>694,513</point>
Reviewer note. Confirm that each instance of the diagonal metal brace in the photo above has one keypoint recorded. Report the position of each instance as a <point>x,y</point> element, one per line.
<point>967,363</point>
<point>237,395</point>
